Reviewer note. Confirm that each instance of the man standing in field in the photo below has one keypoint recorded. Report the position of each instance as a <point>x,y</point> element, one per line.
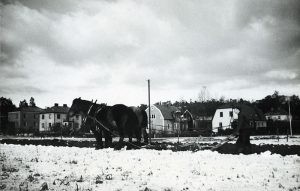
<point>244,130</point>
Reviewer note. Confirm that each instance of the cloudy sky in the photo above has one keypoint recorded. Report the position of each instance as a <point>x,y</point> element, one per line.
<point>58,50</point>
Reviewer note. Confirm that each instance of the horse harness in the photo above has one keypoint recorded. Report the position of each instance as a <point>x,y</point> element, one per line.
<point>94,117</point>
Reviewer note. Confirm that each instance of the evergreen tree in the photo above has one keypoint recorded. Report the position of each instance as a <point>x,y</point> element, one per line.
<point>23,103</point>
<point>31,102</point>
<point>6,106</point>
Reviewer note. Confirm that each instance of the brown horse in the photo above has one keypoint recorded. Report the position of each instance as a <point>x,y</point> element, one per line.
<point>104,119</point>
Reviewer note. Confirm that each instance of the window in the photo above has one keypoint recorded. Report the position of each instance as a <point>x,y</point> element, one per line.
<point>230,114</point>
<point>43,116</point>
<point>49,124</point>
<point>220,124</point>
<point>24,115</point>
<point>77,117</point>
<point>58,116</point>
<point>153,116</point>
<point>279,117</point>
<point>43,125</point>
<point>221,114</point>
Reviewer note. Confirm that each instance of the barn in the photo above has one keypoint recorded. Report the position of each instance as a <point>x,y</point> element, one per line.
<point>163,119</point>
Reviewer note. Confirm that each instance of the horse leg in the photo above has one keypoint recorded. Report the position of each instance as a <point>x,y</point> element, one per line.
<point>120,143</point>
<point>98,136</point>
<point>138,134</point>
<point>145,134</point>
<point>121,127</point>
<point>108,139</point>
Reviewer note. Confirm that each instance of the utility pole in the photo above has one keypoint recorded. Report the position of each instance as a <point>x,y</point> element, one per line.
<point>149,112</point>
<point>290,118</point>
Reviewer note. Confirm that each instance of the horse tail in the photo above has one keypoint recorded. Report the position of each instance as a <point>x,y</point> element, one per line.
<point>145,118</point>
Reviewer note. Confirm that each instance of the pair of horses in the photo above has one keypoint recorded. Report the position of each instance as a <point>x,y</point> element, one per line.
<point>105,120</point>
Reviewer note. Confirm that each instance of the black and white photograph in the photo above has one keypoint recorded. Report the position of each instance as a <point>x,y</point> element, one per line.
<point>150,95</point>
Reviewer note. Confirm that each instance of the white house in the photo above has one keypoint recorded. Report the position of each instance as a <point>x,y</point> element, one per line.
<point>163,119</point>
<point>224,117</point>
<point>279,115</point>
<point>57,115</point>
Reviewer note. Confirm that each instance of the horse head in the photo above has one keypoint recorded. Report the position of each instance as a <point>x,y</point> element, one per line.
<point>78,106</point>
<point>82,107</point>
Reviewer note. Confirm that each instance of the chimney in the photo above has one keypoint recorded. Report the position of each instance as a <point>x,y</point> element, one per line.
<point>65,105</point>
<point>56,104</point>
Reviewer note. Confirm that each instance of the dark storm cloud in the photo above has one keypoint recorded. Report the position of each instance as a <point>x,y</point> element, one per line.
<point>56,6</point>
<point>281,18</point>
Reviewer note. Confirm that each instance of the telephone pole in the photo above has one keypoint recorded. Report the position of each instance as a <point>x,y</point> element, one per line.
<point>149,112</point>
<point>290,117</point>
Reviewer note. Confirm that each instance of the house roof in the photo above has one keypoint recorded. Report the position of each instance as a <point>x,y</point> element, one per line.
<point>30,109</point>
<point>167,111</point>
<point>56,109</point>
<point>187,112</point>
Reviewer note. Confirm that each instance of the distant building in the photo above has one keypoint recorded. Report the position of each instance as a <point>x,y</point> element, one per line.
<point>25,119</point>
<point>278,115</point>
<point>57,116</point>
<point>163,119</point>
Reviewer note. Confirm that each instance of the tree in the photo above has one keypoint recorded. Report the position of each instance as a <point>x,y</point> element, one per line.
<point>31,102</point>
<point>203,96</point>
<point>23,103</point>
<point>6,106</point>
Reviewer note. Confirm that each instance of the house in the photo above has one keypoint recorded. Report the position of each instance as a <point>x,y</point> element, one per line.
<point>278,115</point>
<point>193,125</point>
<point>223,117</point>
<point>25,119</point>
<point>203,124</point>
<point>164,119</point>
<point>56,116</point>
<point>187,121</point>
<point>227,114</point>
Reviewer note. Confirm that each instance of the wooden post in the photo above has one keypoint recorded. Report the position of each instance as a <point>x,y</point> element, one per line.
<point>290,118</point>
<point>149,112</point>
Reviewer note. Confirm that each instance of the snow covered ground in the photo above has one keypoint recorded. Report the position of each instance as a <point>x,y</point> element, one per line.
<point>69,168</point>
